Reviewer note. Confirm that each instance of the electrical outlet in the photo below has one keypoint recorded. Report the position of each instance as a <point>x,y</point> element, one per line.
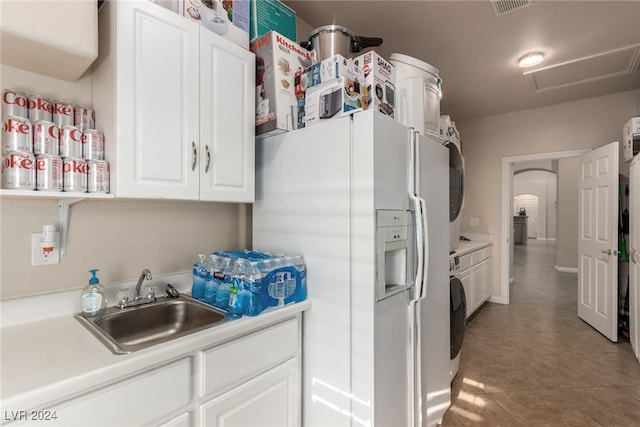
<point>40,256</point>
<point>474,222</point>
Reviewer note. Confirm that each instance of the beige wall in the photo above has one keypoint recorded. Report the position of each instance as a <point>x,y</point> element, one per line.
<point>583,124</point>
<point>567,247</point>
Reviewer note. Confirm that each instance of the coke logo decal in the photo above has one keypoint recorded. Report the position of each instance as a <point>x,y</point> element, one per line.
<point>74,134</point>
<point>16,161</point>
<point>13,98</point>
<point>41,164</point>
<point>52,131</point>
<point>65,110</point>
<point>40,104</point>
<point>75,167</point>
<point>16,126</point>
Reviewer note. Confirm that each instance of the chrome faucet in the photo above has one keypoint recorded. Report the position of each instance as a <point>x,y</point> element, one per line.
<point>146,274</point>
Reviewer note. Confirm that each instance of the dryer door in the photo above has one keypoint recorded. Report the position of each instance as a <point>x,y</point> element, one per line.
<point>456,181</point>
<point>458,315</point>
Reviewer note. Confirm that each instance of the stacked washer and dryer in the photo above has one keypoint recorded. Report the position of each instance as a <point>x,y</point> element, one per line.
<point>418,95</point>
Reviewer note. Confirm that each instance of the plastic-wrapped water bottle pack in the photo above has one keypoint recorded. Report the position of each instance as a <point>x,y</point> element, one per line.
<point>249,282</point>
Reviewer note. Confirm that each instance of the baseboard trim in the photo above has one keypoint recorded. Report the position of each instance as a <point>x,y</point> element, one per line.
<point>567,269</point>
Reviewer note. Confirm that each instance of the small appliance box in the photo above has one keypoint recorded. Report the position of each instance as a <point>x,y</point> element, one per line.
<point>267,15</point>
<point>332,68</point>
<point>631,139</point>
<point>334,98</point>
<point>380,80</point>
<point>279,82</point>
<point>228,18</point>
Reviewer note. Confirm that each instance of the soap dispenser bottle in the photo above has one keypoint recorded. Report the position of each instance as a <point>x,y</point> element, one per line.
<point>94,297</point>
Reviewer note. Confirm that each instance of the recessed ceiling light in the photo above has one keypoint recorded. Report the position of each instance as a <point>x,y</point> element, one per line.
<point>531,59</point>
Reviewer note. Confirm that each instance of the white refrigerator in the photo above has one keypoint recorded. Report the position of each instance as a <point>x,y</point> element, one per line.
<point>365,201</point>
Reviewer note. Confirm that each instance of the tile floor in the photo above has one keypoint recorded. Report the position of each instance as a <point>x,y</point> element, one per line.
<point>533,362</point>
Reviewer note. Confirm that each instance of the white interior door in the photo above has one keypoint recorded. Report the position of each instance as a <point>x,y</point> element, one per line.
<point>530,203</point>
<point>598,240</point>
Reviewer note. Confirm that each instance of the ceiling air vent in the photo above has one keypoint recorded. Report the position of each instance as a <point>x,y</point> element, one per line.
<point>502,7</point>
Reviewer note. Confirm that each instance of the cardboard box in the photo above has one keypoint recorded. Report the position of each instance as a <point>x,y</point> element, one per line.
<point>228,18</point>
<point>279,82</point>
<point>334,98</point>
<point>631,139</point>
<point>268,15</point>
<point>332,68</point>
<point>380,80</point>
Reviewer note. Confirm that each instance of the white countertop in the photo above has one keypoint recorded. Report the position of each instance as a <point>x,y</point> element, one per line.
<point>476,242</point>
<point>59,353</point>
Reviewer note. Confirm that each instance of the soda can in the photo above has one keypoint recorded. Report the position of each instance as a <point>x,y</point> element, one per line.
<point>16,135</point>
<point>98,179</point>
<point>70,142</point>
<point>84,117</point>
<point>45,138</point>
<point>92,145</point>
<point>19,171</point>
<point>40,108</point>
<point>13,104</point>
<point>48,173</point>
<point>62,113</point>
<point>74,175</point>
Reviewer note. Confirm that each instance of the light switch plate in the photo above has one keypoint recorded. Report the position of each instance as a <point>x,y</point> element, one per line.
<point>38,256</point>
<point>474,222</point>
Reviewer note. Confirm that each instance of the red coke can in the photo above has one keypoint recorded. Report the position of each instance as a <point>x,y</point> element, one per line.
<point>74,175</point>
<point>84,117</point>
<point>49,173</point>
<point>40,108</point>
<point>13,104</point>
<point>62,113</point>
<point>98,179</point>
<point>19,171</point>
<point>70,142</point>
<point>92,145</point>
<point>16,135</point>
<point>45,138</point>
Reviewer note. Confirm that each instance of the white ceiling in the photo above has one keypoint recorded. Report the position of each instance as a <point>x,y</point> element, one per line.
<point>476,51</point>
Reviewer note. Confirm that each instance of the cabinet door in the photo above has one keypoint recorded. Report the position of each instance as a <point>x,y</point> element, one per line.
<point>271,399</point>
<point>477,283</point>
<point>487,282</point>
<point>157,102</point>
<point>227,120</point>
<point>465,278</point>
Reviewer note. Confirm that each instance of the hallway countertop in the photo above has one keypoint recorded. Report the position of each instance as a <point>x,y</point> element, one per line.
<point>476,242</point>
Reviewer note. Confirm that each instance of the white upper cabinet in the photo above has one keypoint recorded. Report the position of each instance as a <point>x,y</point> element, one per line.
<point>162,87</point>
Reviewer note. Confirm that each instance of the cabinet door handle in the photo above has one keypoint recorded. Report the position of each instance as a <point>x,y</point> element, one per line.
<point>206,168</point>
<point>194,158</point>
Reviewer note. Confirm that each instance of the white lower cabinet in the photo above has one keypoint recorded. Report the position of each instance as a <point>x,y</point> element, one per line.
<point>249,380</point>
<point>476,275</point>
<point>270,399</point>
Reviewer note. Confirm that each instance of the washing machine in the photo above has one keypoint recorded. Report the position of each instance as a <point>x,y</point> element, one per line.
<point>458,313</point>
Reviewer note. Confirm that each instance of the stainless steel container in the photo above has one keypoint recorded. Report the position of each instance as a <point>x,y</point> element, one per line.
<point>330,40</point>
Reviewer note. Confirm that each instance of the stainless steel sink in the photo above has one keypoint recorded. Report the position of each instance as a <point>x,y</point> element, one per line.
<point>131,329</point>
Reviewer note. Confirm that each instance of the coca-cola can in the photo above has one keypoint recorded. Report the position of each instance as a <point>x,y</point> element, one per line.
<point>70,142</point>
<point>74,175</point>
<point>62,113</point>
<point>40,108</point>
<point>92,145</point>
<point>45,138</point>
<point>49,173</point>
<point>84,117</point>
<point>16,135</point>
<point>98,179</point>
<point>13,104</point>
<point>19,171</point>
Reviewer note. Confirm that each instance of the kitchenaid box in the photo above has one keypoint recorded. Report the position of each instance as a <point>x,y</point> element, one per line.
<point>334,98</point>
<point>280,82</point>
<point>380,80</point>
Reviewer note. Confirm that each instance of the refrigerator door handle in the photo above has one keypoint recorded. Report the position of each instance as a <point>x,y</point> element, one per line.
<point>419,248</point>
<point>425,247</point>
